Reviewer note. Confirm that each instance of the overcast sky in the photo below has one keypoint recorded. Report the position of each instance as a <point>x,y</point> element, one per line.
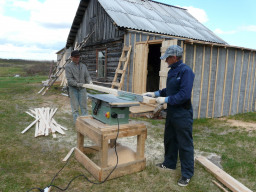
<point>37,29</point>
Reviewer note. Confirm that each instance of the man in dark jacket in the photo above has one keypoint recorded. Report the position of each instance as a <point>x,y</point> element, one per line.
<point>77,75</point>
<point>178,138</point>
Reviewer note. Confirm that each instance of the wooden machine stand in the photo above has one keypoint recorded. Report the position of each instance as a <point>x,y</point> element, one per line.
<point>101,134</point>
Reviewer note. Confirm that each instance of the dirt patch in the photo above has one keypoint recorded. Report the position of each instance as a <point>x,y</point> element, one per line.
<point>248,126</point>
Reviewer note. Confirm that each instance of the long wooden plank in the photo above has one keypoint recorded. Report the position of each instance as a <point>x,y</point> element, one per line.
<point>233,79</point>
<point>248,67</point>
<point>224,86</point>
<point>115,91</point>
<point>241,73</point>
<point>222,176</point>
<point>31,124</point>
<point>249,99</point>
<point>209,84</point>
<point>194,67</point>
<point>201,86</point>
<point>215,86</point>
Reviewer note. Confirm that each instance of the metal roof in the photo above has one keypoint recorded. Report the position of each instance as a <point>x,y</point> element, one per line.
<point>149,16</point>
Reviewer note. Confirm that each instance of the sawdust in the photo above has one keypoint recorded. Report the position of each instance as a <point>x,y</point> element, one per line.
<point>247,126</point>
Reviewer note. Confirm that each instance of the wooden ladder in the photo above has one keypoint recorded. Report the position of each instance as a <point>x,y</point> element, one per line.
<point>121,68</point>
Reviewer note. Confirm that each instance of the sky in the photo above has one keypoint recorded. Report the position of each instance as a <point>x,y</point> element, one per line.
<point>37,29</point>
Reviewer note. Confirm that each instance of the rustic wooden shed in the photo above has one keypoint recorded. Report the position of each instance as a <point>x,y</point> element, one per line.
<point>137,32</point>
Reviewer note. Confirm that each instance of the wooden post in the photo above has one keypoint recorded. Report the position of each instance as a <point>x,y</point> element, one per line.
<point>194,66</point>
<point>233,79</point>
<point>201,87</point>
<point>248,67</point>
<point>224,86</point>
<point>215,86</point>
<point>253,84</point>
<point>209,83</point>
<point>185,52</point>
<point>241,73</point>
<point>249,94</point>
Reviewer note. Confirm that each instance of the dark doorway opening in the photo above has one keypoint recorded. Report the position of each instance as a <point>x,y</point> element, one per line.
<point>154,63</point>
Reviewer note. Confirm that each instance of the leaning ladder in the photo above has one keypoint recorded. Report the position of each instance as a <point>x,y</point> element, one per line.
<point>118,80</point>
<point>60,70</point>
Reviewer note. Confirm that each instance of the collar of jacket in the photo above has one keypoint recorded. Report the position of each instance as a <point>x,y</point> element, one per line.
<point>175,65</point>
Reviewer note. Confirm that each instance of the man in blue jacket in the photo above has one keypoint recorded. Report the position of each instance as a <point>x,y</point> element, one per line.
<point>178,138</point>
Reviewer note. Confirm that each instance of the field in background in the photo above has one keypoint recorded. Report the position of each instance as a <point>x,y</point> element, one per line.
<point>27,162</point>
<point>12,67</point>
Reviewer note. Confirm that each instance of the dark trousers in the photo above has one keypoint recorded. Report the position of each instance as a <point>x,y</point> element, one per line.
<point>178,140</point>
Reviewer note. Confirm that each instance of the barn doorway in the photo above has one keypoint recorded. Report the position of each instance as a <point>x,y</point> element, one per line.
<point>153,68</point>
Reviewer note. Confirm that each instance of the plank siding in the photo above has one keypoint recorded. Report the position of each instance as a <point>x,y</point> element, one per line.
<point>225,77</point>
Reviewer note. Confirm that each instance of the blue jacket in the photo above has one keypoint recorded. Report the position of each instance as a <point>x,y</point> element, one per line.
<point>179,84</point>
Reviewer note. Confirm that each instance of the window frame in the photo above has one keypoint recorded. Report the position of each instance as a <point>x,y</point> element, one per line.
<point>97,65</point>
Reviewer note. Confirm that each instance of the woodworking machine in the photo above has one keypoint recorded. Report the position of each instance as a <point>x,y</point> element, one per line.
<point>107,107</point>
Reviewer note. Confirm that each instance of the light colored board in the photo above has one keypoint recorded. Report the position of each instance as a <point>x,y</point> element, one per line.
<point>253,87</point>
<point>232,88</point>
<point>209,84</point>
<point>141,109</point>
<point>30,114</point>
<point>140,68</point>
<point>249,95</point>
<point>222,176</point>
<point>241,72</point>
<point>164,66</point>
<point>215,87</point>
<point>246,82</point>
<point>224,86</point>
<point>69,154</point>
<point>28,127</point>
<point>201,86</point>
<point>194,67</point>
<point>115,91</point>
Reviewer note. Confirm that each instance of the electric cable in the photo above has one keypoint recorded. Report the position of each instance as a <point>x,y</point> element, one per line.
<point>82,175</point>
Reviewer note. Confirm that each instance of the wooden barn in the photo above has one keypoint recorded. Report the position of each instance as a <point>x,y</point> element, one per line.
<point>125,39</point>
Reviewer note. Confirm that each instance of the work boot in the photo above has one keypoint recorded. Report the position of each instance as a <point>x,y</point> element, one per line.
<point>183,182</point>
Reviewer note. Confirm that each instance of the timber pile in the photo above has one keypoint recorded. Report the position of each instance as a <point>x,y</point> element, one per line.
<point>44,122</point>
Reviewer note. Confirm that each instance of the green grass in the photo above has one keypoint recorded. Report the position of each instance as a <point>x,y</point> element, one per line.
<point>27,162</point>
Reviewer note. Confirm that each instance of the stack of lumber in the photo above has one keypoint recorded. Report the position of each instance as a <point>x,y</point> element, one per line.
<point>44,122</point>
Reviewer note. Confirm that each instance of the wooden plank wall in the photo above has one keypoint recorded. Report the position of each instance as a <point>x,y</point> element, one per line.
<point>96,18</point>
<point>224,80</point>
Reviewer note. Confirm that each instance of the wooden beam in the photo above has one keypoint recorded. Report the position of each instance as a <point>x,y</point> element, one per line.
<point>222,176</point>
<point>215,86</point>
<point>201,86</point>
<point>249,94</point>
<point>224,86</point>
<point>248,67</point>
<point>194,66</point>
<point>209,84</point>
<point>253,88</point>
<point>233,79</point>
<point>241,73</point>
<point>184,52</point>
<point>115,91</point>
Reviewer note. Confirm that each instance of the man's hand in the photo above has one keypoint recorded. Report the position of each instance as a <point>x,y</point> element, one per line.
<point>79,85</point>
<point>149,94</point>
<point>160,100</point>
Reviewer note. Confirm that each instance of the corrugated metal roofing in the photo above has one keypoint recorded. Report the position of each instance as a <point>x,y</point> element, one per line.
<point>150,16</point>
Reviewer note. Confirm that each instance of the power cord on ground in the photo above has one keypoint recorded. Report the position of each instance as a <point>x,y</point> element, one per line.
<point>113,115</point>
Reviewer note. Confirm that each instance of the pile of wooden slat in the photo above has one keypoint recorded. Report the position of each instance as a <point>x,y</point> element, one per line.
<point>44,122</point>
